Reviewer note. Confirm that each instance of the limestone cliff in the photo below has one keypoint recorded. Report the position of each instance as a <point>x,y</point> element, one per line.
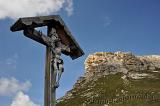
<point>116,79</point>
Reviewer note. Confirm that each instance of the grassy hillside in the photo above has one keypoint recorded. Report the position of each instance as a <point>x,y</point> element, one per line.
<point>112,90</point>
<point>117,79</point>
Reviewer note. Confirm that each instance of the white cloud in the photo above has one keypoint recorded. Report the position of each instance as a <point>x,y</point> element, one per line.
<point>69,7</point>
<point>107,21</point>
<point>10,86</point>
<point>12,61</point>
<point>9,63</point>
<point>22,99</point>
<point>22,8</point>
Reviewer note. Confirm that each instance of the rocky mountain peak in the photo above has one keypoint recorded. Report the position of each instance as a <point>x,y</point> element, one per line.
<point>125,62</point>
<point>111,77</point>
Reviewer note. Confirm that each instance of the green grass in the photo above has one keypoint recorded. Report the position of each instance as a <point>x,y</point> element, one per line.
<point>108,88</point>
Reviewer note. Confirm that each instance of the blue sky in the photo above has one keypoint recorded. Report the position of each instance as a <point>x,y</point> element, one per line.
<point>97,25</point>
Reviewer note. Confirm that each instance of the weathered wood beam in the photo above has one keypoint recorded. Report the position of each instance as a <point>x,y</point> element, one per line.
<point>37,36</point>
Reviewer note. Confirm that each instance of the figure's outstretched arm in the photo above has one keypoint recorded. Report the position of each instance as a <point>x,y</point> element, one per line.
<point>37,36</point>
<point>65,48</point>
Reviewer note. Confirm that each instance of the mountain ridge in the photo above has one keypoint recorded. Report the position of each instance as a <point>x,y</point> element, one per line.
<point>111,76</point>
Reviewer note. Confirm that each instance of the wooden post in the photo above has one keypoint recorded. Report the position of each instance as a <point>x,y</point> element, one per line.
<point>47,78</point>
<point>53,75</point>
<point>53,89</point>
<point>47,92</point>
<point>50,78</point>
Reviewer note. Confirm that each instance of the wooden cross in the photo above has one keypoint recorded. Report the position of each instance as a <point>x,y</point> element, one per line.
<point>58,40</point>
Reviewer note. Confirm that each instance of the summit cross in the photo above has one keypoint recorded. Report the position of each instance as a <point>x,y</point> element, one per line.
<point>57,41</point>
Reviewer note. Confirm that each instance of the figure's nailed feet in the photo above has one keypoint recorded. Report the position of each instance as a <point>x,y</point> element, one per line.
<point>56,85</point>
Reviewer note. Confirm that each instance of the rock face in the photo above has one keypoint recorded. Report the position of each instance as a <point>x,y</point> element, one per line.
<point>116,79</point>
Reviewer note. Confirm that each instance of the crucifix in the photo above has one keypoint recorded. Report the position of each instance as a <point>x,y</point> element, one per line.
<point>57,41</point>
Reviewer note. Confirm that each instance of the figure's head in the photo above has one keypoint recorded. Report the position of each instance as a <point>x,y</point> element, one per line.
<point>53,31</point>
<point>53,34</point>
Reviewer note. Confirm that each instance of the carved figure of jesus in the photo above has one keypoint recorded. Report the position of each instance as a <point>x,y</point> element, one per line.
<point>56,61</point>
